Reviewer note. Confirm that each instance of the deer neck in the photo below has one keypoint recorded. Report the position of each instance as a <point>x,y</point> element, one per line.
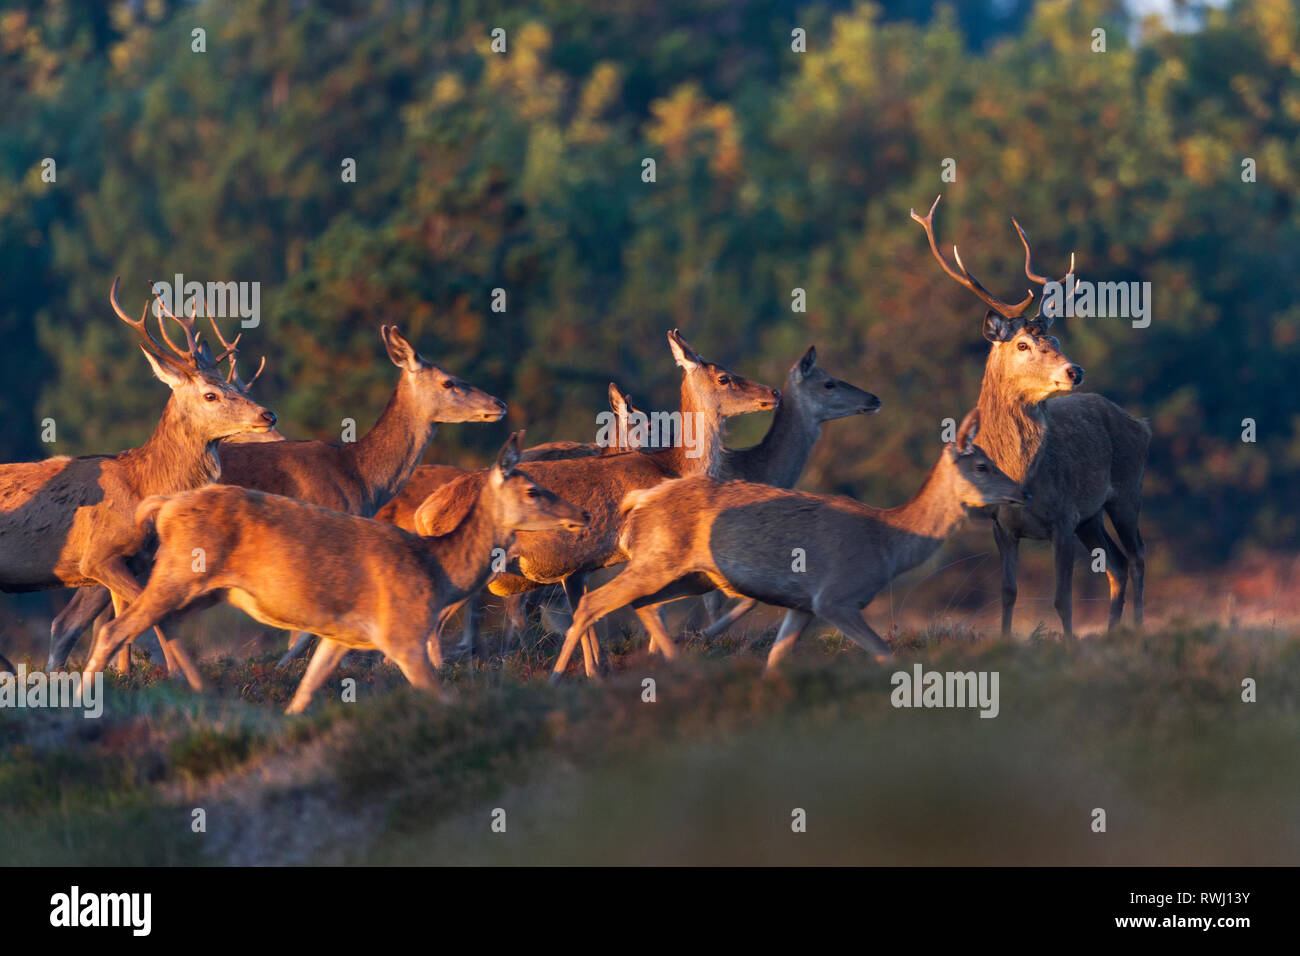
<point>464,554</point>
<point>385,456</point>
<point>177,456</point>
<point>923,523</point>
<point>703,422</point>
<point>1012,431</point>
<point>779,459</point>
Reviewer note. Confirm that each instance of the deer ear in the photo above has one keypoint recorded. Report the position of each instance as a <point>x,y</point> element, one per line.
<point>509,456</point>
<point>684,355</point>
<point>997,328</point>
<point>169,376</point>
<point>400,351</point>
<point>617,400</point>
<point>808,362</point>
<point>970,426</point>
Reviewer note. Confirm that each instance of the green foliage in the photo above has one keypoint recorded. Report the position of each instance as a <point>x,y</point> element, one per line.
<point>776,170</point>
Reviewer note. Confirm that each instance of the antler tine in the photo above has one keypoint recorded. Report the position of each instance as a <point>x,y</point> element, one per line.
<point>191,336</point>
<point>228,347</point>
<point>146,337</point>
<point>1029,270</point>
<point>1005,309</point>
<point>233,376</point>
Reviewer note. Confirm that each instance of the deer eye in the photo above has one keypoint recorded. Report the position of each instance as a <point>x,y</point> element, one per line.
<point>981,467</point>
<point>448,383</point>
<point>830,384</point>
<point>1023,346</point>
<point>531,493</point>
<point>209,396</point>
<point>723,380</point>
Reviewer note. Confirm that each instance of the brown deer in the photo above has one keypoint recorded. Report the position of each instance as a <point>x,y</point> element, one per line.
<point>66,522</point>
<point>816,555</point>
<point>810,398</point>
<point>89,602</point>
<point>358,477</point>
<point>1078,454</point>
<point>355,582</point>
<point>709,395</point>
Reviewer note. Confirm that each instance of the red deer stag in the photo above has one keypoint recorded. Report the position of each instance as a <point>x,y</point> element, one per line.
<point>67,522</point>
<point>1078,454</point>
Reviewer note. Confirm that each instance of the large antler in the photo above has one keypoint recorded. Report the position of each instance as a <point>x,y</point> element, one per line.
<point>1005,309</point>
<point>147,341</point>
<point>194,351</point>
<point>1040,321</point>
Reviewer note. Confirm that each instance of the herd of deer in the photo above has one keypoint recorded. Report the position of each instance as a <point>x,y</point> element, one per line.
<point>364,547</point>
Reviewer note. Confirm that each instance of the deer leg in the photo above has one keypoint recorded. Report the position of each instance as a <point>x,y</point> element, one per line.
<point>79,613</point>
<point>651,618</point>
<point>1009,550</point>
<point>322,664</point>
<point>738,610</point>
<point>574,586</point>
<point>130,620</point>
<point>792,625</point>
<point>413,659</point>
<point>117,577</point>
<point>1063,548</point>
<point>297,648</point>
<point>1125,519</point>
<point>473,622</point>
<point>1092,532</point>
<point>847,619</point>
<point>628,586</point>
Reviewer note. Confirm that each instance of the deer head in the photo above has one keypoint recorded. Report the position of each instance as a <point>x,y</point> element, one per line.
<point>208,405</point>
<point>978,482</point>
<point>1024,357</point>
<point>438,395</point>
<point>826,397</point>
<point>520,504</point>
<point>715,388</point>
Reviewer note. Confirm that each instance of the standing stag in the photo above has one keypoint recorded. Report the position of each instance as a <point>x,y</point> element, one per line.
<point>68,522</point>
<point>357,583</point>
<point>688,535</point>
<point>1078,454</point>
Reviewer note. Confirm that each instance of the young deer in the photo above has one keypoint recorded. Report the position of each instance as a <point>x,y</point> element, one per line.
<point>65,522</point>
<point>810,399</point>
<point>689,535</point>
<point>1078,454</point>
<point>709,395</point>
<point>359,477</point>
<point>428,478</point>
<point>355,582</point>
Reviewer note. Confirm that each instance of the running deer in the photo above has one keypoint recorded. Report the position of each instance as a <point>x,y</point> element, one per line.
<point>1078,454</point>
<point>816,555</point>
<point>709,395</point>
<point>66,522</point>
<point>810,398</point>
<point>427,478</point>
<point>358,477</point>
<point>88,603</point>
<point>357,583</point>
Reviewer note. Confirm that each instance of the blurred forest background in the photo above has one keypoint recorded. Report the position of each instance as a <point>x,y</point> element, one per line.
<point>775,170</point>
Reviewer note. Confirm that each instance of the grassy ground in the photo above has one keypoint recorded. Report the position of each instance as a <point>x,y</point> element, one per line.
<point>1150,727</point>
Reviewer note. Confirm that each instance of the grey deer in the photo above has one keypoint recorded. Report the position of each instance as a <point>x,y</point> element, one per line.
<point>694,533</point>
